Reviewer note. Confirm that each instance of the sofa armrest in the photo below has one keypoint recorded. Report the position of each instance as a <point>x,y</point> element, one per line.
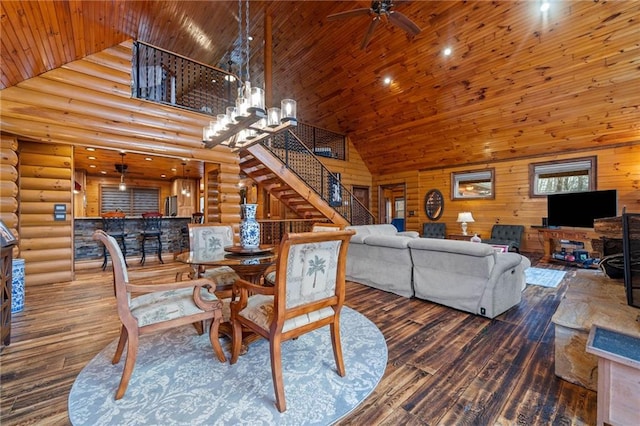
<point>504,286</point>
<point>452,246</point>
<point>387,241</point>
<point>358,238</point>
<point>412,234</point>
<point>504,262</point>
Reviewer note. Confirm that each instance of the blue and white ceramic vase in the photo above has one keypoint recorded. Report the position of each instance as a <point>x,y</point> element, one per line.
<point>249,227</point>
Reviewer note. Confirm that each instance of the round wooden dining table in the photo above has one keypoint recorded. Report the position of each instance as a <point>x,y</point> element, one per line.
<point>249,264</point>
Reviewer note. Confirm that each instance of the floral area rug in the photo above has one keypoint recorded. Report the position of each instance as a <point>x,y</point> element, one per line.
<point>178,380</point>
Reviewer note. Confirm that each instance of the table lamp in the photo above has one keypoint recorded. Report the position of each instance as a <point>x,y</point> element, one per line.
<point>465,217</point>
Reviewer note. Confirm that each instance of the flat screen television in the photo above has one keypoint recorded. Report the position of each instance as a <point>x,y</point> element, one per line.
<point>579,209</point>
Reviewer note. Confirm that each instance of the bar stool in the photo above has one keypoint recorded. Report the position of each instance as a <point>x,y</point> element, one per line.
<point>151,228</point>
<point>113,224</point>
<point>196,217</point>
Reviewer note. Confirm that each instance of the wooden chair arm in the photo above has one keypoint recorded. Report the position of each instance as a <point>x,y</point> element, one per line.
<point>270,268</point>
<point>145,275</point>
<point>241,285</point>
<point>243,288</point>
<point>177,285</point>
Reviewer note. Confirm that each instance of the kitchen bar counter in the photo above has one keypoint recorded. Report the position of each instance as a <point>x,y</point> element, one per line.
<point>86,248</point>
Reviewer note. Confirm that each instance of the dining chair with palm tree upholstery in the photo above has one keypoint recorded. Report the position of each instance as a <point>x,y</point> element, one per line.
<point>270,273</point>
<point>308,294</point>
<point>147,308</point>
<point>207,243</point>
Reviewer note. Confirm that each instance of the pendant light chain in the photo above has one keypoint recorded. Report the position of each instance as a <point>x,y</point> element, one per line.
<point>240,41</point>
<point>246,39</point>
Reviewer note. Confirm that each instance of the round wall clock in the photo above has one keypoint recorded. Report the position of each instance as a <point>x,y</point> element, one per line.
<point>434,204</point>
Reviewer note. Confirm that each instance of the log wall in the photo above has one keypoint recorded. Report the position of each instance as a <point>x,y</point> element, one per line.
<point>88,103</point>
<point>9,185</point>
<point>617,168</point>
<point>45,244</point>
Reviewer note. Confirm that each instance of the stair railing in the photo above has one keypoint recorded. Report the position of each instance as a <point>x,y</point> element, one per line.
<point>298,158</point>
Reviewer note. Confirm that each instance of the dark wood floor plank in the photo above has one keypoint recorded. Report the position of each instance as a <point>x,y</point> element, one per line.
<point>444,366</point>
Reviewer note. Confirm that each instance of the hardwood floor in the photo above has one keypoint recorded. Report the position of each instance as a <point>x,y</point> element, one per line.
<point>445,366</point>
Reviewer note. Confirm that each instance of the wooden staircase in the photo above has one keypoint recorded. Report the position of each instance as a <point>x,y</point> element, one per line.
<point>271,174</point>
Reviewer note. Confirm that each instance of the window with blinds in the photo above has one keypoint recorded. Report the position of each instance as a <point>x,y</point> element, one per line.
<point>133,201</point>
<point>557,177</point>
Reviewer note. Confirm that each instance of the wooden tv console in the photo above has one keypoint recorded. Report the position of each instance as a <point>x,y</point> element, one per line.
<point>551,235</point>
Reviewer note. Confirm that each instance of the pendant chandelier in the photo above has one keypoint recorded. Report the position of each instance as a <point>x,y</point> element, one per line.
<point>123,167</point>
<point>186,191</point>
<point>248,121</point>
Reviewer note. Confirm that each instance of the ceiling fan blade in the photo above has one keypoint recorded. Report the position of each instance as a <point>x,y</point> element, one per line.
<point>367,37</point>
<point>401,20</point>
<point>349,14</point>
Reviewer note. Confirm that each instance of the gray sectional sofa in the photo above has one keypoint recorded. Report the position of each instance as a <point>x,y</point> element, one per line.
<point>468,276</point>
<point>379,257</point>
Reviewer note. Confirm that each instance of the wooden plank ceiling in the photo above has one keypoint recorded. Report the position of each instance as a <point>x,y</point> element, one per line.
<point>518,82</point>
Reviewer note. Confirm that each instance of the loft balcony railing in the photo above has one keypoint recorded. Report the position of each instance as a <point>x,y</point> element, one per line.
<point>170,79</point>
<point>298,158</point>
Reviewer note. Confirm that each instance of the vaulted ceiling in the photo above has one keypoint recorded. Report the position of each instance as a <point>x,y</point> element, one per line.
<point>517,83</point>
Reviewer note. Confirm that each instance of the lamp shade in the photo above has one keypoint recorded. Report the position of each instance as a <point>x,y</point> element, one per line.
<point>465,217</point>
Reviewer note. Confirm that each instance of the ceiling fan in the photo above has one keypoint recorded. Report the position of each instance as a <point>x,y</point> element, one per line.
<point>379,10</point>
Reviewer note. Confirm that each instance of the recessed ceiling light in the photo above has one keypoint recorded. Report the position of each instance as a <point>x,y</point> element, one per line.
<point>163,176</point>
<point>387,80</point>
<point>173,169</point>
<point>91,157</point>
<point>93,166</point>
<point>103,172</point>
<point>148,159</point>
<point>447,51</point>
<point>545,6</point>
<point>90,149</point>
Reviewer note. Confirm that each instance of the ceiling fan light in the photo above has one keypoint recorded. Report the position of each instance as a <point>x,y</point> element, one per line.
<point>122,186</point>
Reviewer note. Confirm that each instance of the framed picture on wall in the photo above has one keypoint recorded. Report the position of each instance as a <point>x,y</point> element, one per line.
<point>335,190</point>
